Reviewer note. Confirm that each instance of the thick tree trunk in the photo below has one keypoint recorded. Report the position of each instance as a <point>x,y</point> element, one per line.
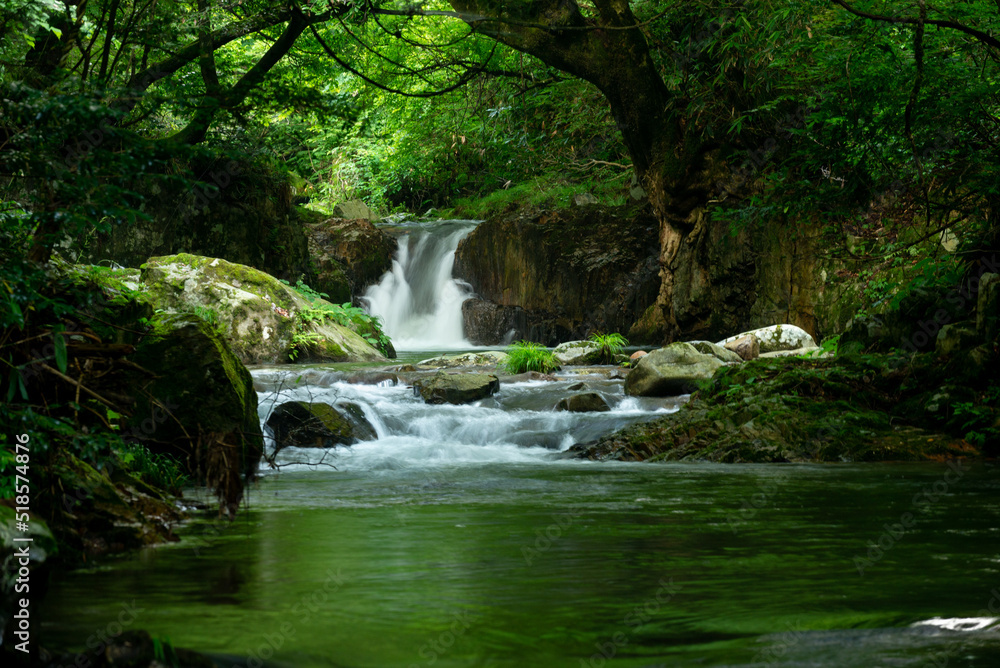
<point>611,52</point>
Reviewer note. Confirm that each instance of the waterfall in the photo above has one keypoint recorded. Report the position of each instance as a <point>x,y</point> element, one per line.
<point>418,300</point>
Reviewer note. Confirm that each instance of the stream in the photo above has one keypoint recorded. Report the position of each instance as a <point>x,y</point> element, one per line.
<point>461,538</point>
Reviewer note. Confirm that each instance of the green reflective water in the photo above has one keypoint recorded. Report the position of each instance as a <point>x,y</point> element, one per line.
<point>574,564</point>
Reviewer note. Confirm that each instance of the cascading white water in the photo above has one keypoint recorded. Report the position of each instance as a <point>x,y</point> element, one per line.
<point>419,301</point>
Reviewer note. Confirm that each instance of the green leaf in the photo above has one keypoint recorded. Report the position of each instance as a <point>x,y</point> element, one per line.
<point>12,388</point>
<point>24,388</point>
<point>61,359</point>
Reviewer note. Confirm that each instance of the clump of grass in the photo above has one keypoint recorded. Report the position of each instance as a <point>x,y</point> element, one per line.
<point>528,356</point>
<point>610,344</point>
<point>155,470</point>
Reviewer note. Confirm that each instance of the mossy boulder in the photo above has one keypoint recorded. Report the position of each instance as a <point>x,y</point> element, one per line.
<point>457,388</point>
<point>670,371</point>
<point>318,425</point>
<point>715,350</point>
<point>262,318</point>
<point>201,406</point>
<point>491,358</point>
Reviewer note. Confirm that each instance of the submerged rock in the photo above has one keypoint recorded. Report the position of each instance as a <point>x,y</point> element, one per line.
<point>303,424</point>
<point>457,388</point>
<point>585,402</point>
<point>777,337</point>
<point>262,318</point>
<point>577,353</point>
<point>669,371</point>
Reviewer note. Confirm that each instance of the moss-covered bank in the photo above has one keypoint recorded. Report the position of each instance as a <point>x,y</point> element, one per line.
<point>896,406</point>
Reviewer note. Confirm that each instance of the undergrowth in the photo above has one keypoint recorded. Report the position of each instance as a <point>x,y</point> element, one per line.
<point>524,356</point>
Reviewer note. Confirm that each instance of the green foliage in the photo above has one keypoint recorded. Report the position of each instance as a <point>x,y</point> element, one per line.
<point>526,356</point>
<point>610,345</point>
<point>307,292</point>
<point>980,420</point>
<point>158,471</point>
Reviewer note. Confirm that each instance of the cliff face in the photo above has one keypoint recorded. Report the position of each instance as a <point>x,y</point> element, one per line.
<point>557,275</point>
<point>562,275</point>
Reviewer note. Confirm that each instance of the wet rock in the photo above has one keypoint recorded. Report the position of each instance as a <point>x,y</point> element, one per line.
<point>489,324</point>
<point>576,387</point>
<point>318,425</point>
<point>529,375</point>
<point>721,353</point>
<point>586,402</point>
<point>637,354</point>
<point>373,378</point>
<point>583,199</point>
<point>577,353</point>
<point>457,388</point>
<point>258,315</point>
<point>670,371</point>
<point>956,337</point>
<point>349,255</point>
<point>354,209</point>
<point>777,337</point>
<point>747,347</point>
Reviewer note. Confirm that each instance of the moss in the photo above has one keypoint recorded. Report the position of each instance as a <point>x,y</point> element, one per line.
<point>863,408</point>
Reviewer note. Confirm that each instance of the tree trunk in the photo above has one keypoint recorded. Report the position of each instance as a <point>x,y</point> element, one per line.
<point>611,52</point>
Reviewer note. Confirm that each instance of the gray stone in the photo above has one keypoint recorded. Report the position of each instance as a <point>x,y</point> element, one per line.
<point>485,358</point>
<point>582,199</point>
<point>777,337</point>
<point>587,402</point>
<point>577,353</point>
<point>353,208</point>
<point>723,354</point>
<point>956,337</point>
<point>988,307</point>
<point>808,350</point>
<point>458,388</point>
<point>747,347</point>
<point>669,371</point>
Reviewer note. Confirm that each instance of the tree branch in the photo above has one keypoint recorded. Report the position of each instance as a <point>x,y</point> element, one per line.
<point>978,34</point>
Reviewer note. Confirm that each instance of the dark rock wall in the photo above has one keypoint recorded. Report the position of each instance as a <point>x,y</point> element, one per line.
<point>558,275</point>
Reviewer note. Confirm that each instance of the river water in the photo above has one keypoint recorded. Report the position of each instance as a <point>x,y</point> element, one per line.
<point>461,538</point>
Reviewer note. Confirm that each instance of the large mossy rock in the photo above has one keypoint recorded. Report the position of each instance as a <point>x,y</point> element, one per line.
<point>775,338</point>
<point>200,407</point>
<point>304,424</point>
<point>673,370</point>
<point>493,358</point>
<point>558,275</point>
<point>457,388</point>
<point>259,315</point>
<point>349,255</point>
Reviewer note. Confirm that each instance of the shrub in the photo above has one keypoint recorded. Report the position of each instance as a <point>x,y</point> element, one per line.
<point>611,345</point>
<point>528,356</point>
